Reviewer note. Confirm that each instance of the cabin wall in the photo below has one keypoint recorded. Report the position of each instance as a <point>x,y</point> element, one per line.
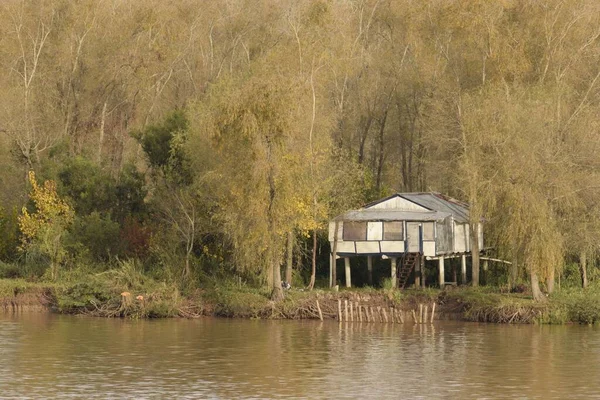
<point>443,237</point>
<point>374,230</point>
<point>461,235</point>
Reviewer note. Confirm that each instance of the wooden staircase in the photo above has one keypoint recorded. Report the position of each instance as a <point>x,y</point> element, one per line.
<point>406,267</point>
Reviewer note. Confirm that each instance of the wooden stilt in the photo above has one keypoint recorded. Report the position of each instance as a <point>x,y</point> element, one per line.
<point>401,317</point>
<point>441,272</point>
<point>423,277</point>
<point>367,314</point>
<point>426,314</point>
<point>418,274</point>
<point>331,264</point>
<point>463,270</point>
<point>394,269</point>
<point>414,317</point>
<point>347,266</point>
<point>420,313</point>
<point>340,310</point>
<point>385,317</point>
<point>351,311</point>
<point>391,310</point>
<point>432,312</point>
<point>372,314</point>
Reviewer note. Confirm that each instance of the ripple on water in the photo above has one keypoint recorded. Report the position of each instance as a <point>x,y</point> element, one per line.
<point>49,356</point>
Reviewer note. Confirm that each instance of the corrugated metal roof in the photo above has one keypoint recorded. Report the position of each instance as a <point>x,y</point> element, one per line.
<point>439,202</point>
<point>367,214</point>
<point>441,207</point>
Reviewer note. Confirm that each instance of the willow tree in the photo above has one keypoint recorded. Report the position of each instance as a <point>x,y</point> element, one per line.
<point>516,175</point>
<point>248,125</point>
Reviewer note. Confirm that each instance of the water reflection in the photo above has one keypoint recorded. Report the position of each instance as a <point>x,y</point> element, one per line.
<point>49,356</point>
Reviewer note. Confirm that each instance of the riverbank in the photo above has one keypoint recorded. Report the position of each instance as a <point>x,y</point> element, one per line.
<point>111,296</point>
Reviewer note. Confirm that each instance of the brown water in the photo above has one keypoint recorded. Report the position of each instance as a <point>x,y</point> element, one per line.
<point>50,356</point>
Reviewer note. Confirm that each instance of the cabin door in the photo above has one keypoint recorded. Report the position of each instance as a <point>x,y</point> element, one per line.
<point>413,237</point>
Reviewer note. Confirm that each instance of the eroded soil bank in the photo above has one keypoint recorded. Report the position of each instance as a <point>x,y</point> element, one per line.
<point>366,305</point>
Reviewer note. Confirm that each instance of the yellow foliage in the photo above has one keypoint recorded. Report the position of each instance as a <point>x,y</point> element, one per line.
<point>50,210</point>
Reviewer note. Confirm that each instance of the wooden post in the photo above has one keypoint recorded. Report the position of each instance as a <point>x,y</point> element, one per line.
<point>339,310</point>
<point>402,316</point>
<point>426,314</point>
<point>347,264</point>
<point>331,264</point>
<point>385,317</point>
<point>420,313</point>
<point>414,316</point>
<point>392,316</point>
<point>463,269</point>
<point>346,310</point>
<point>441,272</point>
<point>372,314</point>
<point>422,262</point>
<point>432,312</point>
<point>334,254</point>
<point>418,274</point>
<point>351,311</point>
<point>367,314</point>
<point>319,310</point>
<point>359,313</point>
<point>370,268</point>
<point>393,275</point>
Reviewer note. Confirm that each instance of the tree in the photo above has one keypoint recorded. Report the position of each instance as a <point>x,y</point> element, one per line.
<point>44,228</point>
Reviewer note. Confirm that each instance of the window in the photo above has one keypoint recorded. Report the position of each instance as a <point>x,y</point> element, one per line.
<point>393,230</point>
<point>355,230</point>
<point>428,231</point>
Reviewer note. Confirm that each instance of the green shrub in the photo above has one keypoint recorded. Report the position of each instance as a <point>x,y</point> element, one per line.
<point>10,271</point>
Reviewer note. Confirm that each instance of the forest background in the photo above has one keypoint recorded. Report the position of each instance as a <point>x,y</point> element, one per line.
<point>205,141</point>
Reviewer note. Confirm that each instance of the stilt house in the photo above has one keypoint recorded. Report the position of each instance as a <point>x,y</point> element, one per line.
<point>405,226</point>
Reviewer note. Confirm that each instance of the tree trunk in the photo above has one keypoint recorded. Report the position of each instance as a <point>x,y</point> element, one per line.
<point>101,138</point>
<point>475,254</point>
<point>550,281</point>
<point>535,287</point>
<point>514,272</point>
<point>334,254</point>
<point>186,271</point>
<point>277,293</point>
<point>290,257</point>
<point>313,273</point>
<point>380,157</point>
<point>583,268</point>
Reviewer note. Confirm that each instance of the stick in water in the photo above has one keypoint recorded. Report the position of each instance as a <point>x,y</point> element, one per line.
<point>319,309</point>
<point>346,310</point>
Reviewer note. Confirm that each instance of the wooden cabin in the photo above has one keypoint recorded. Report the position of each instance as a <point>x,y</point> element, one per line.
<point>405,226</point>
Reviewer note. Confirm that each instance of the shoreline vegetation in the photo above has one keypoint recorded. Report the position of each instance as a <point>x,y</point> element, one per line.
<point>188,160</point>
<point>116,295</point>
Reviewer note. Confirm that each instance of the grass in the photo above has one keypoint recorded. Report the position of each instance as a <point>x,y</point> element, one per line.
<point>127,292</point>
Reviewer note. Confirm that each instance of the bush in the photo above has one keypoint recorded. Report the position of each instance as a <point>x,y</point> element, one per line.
<point>581,306</point>
<point>10,271</point>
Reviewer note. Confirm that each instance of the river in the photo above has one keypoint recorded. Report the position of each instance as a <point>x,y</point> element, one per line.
<point>53,356</point>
